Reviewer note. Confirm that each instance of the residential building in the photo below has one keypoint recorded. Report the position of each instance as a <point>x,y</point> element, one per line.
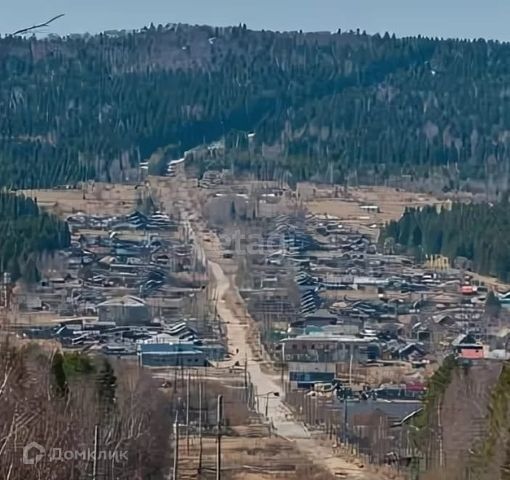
<point>467,347</point>
<point>307,374</point>
<point>312,357</point>
<point>322,347</point>
<point>320,317</point>
<point>171,355</point>
<point>126,310</point>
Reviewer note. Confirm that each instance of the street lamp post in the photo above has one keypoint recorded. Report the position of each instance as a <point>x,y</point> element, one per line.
<point>267,395</point>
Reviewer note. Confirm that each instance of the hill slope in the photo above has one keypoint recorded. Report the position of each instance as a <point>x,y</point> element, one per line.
<point>320,104</point>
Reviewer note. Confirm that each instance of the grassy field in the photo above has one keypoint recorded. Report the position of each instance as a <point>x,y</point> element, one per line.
<point>97,199</point>
<point>346,204</point>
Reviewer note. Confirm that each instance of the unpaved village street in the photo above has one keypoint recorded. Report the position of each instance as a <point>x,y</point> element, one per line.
<point>236,321</point>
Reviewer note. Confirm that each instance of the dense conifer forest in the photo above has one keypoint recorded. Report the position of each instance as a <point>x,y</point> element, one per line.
<point>477,232</point>
<point>26,232</point>
<point>321,105</point>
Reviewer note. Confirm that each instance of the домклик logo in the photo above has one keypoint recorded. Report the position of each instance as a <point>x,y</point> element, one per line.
<point>33,453</point>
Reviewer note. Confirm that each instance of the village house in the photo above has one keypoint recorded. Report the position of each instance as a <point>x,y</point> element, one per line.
<point>126,310</point>
<point>467,347</point>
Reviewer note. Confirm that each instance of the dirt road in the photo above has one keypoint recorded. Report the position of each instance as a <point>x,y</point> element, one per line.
<point>269,389</point>
<point>277,412</point>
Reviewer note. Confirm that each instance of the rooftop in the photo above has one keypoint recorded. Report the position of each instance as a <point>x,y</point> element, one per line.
<point>178,347</point>
<point>328,337</point>
<point>321,313</point>
<point>125,301</point>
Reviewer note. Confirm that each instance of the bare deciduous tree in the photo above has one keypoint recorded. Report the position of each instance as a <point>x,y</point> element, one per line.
<point>134,431</point>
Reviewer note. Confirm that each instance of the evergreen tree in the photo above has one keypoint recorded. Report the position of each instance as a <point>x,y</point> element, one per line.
<point>25,232</point>
<point>106,384</point>
<point>59,376</point>
<point>477,232</point>
<point>341,105</point>
<point>492,305</point>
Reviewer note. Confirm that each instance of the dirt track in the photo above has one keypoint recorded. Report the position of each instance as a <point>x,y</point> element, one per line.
<point>278,413</point>
<point>237,324</point>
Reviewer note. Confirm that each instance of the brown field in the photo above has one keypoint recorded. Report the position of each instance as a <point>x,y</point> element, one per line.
<point>346,204</point>
<point>250,455</point>
<point>97,199</point>
<point>249,450</point>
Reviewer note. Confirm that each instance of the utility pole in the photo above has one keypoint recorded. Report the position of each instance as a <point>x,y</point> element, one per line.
<point>246,378</point>
<point>282,379</point>
<point>176,447</point>
<point>219,415</point>
<point>96,452</point>
<point>345,416</point>
<point>200,427</point>
<point>187,413</point>
<point>350,371</point>
<point>440,435</point>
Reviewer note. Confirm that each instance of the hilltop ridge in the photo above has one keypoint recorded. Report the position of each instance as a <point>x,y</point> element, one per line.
<point>342,107</point>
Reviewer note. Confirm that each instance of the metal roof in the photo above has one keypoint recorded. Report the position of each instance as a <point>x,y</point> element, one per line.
<point>125,301</point>
<point>322,336</point>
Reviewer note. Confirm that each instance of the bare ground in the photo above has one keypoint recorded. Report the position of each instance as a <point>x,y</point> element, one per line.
<point>250,456</point>
<point>97,199</point>
<point>345,204</point>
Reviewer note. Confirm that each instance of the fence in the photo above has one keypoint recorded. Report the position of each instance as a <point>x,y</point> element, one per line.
<point>373,437</point>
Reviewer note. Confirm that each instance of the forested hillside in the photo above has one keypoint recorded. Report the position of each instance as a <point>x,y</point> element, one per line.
<point>26,232</point>
<point>321,105</point>
<point>480,233</point>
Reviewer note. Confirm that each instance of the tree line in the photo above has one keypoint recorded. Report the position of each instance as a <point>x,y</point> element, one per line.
<point>477,232</point>
<point>26,232</point>
<point>321,106</point>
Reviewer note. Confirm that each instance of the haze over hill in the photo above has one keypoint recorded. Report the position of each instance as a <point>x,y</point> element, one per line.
<point>454,18</point>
